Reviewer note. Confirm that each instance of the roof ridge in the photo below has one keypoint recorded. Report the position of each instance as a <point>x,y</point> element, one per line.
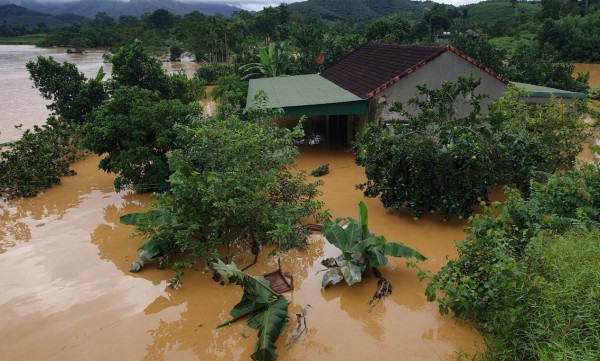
<point>408,71</point>
<point>371,68</point>
<point>477,64</point>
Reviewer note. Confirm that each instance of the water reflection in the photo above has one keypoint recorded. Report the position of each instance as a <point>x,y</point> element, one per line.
<point>12,229</point>
<point>18,216</point>
<point>202,304</point>
<point>75,273</point>
<point>114,240</point>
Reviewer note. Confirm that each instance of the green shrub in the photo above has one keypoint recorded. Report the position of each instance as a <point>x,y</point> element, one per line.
<point>441,160</point>
<point>555,309</point>
<point>38,160</point>
<point>233,189</point>
<point>210,72</point>
<point>491,263</point>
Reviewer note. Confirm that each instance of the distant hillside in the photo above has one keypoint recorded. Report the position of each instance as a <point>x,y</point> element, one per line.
<point>358,9</point>
<point>17,15</point>
<point>115,8</point>
<point>494,10</point>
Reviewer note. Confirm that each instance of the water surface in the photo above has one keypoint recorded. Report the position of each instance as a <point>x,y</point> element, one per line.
<point>68,294</point>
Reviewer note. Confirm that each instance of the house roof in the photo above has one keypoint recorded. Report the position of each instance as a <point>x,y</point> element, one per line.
<point>373,67</point>
<point>309,94</point>
<point>538,91</point>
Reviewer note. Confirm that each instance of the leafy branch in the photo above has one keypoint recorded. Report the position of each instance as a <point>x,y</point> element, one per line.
<point>268,309</point>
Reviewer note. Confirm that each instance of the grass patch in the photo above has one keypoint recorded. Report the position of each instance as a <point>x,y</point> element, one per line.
<point>32,39</point>
<point>559,316</point>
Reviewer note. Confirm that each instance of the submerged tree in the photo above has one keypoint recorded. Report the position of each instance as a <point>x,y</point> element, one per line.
<point>540,65</point>
<point>38,160</point>
<point>73,96</point>
<point>234,185</point>
<point>135,128</point>
<point>443,161</point>
<point>134,66</point>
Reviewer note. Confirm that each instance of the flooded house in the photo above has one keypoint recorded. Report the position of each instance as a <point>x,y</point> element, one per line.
<point>362,86</point>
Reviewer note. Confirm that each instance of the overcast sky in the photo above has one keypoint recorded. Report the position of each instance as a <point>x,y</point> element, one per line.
<point>259,4</point>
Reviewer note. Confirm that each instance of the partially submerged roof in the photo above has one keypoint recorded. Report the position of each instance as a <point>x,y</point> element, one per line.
<point>373,67</point>
<point>306,95</point>
<point>538,91</point>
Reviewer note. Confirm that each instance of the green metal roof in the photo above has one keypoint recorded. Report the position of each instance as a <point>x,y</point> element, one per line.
<point>538,91</point>
<point>305,91</point>
<point>358,107</point>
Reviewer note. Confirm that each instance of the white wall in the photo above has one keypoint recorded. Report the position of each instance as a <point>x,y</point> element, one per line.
<point>446,67</point>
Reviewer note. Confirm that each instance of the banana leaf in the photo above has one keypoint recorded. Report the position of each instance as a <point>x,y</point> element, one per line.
<point>100,74</point>
<point>157,216</point>
<point>360,248</point>
<point>256,287</point>
<point>272,322</point>
<point>142,259</point>
<point>363,214</point>
<point>332,276</point>
<point>351,271</point>
<point>159,244</point>
<point>398,249</point>
<point>268,308</point>
<point>376,257</point>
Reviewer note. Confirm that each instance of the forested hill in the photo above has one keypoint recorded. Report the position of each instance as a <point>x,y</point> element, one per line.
<point>359,9</point>
<point>115,8</point>
<point>16,15</point>
<point>494,10</point>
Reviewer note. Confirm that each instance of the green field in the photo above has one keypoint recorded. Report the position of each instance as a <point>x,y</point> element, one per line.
<point>33,39</point>
<point>489,12</point>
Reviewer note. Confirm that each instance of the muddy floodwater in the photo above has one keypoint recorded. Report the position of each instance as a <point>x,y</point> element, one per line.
<point>593,69</point>
<point>21,103</point>
<point>67,293</point>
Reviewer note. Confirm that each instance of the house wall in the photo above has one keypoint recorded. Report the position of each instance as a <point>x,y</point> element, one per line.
<point>446,67</point>
<point>314,125</point>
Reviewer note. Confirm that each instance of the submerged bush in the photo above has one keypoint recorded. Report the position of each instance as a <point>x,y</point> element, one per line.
<point>530,290</point>
<point>234,188</point>
<point>475,285</point>
<point>38,160</point>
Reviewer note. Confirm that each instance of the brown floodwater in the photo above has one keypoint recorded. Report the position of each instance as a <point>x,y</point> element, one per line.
<point>21,103</point>
<point>593,69</point>
<point>68,293</point>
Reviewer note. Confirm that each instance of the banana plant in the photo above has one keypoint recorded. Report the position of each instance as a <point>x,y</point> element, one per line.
<point>160,244</point>
<point>360,249</point>
<point>273,61</point>
<point>268,309</point>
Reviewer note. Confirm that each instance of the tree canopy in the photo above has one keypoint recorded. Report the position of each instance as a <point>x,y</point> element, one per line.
<point>441,160</point>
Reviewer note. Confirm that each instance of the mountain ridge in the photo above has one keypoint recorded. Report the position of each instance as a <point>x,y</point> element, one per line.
<point>114,8</point>
<point>358,10</point>
<point>17,15</point>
